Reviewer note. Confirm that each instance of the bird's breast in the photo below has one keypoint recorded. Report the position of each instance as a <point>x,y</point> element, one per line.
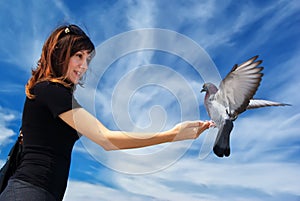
<point>217,112</point>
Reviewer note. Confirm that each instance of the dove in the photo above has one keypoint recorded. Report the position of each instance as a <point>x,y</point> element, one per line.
<point>233,97</point>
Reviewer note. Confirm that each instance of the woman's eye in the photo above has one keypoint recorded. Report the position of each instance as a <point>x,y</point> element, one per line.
<point>79,55</point>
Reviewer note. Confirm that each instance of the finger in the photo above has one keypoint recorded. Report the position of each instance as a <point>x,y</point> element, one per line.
<point>197,123</point>
<point>205,124</point>
<point>212,124</point>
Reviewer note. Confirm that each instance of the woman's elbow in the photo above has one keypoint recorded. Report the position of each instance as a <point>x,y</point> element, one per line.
<point>108,146</point>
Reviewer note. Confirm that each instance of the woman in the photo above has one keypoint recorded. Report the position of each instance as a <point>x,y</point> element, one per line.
<point>49,116</point>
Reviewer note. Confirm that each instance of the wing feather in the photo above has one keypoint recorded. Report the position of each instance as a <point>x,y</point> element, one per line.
<point>240,85</point>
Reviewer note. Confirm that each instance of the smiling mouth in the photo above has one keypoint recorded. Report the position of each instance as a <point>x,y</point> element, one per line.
<point>78,73</point>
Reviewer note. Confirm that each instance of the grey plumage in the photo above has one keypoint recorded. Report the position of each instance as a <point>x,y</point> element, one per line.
<point>234,96</point>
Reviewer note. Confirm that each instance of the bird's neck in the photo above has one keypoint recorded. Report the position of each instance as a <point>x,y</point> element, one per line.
<point>207,95</point>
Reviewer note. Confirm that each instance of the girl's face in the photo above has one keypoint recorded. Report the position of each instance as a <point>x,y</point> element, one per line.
<point>78,65</point>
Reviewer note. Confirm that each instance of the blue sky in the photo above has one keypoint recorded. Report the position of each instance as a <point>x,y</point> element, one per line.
<point>153,90</point>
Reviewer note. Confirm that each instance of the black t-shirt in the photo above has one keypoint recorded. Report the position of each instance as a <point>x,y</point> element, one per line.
<point>48,140</point>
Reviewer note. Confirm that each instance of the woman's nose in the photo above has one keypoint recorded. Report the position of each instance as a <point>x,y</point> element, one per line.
<point>84,65</point>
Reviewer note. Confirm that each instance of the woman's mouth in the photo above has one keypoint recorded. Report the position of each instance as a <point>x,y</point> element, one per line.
<point>75,76</point>
<point>78,73</point>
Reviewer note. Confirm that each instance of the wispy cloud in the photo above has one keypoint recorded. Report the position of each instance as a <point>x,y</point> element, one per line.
<point>140,14</point>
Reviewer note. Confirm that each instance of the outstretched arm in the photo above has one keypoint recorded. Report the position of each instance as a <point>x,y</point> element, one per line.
<point>89,126</point>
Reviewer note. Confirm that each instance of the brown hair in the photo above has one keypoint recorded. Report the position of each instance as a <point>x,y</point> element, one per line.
<point>52,66</point>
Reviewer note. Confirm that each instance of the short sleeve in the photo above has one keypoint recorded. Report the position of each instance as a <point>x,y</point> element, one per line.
<point>56,97</point>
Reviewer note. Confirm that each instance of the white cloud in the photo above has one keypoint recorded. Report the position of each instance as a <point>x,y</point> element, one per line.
<point>250,176</point>
<point>191,179</point>
<point>141,14</point>
<point>273,133</point>
<point>78,191</point>
<point>6,117</point>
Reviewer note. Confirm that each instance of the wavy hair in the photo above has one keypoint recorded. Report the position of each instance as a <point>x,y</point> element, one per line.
<point>60,46</point>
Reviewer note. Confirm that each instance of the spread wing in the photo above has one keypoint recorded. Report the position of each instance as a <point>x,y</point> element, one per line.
<point>240,85</point>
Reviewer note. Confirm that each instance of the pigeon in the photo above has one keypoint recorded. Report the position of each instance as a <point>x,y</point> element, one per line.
<point>233,97</point>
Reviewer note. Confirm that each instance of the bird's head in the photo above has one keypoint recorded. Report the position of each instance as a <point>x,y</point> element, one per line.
<point>209,87</point>
<point>204,88</point>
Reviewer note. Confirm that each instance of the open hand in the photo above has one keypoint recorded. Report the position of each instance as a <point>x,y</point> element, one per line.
<point>191,129</point>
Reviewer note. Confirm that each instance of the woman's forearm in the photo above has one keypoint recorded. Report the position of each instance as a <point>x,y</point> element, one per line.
<point>127,140</point>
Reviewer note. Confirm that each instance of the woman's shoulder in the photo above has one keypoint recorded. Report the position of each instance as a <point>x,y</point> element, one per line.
<point>42,84</point>
<point>48,86</point>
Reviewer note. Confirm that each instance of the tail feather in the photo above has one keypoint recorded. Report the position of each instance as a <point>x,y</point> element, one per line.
<point>222,143</point>
<point>256,103</point>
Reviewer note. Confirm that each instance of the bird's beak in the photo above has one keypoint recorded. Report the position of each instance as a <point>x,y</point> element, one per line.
<point>204,88</point>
